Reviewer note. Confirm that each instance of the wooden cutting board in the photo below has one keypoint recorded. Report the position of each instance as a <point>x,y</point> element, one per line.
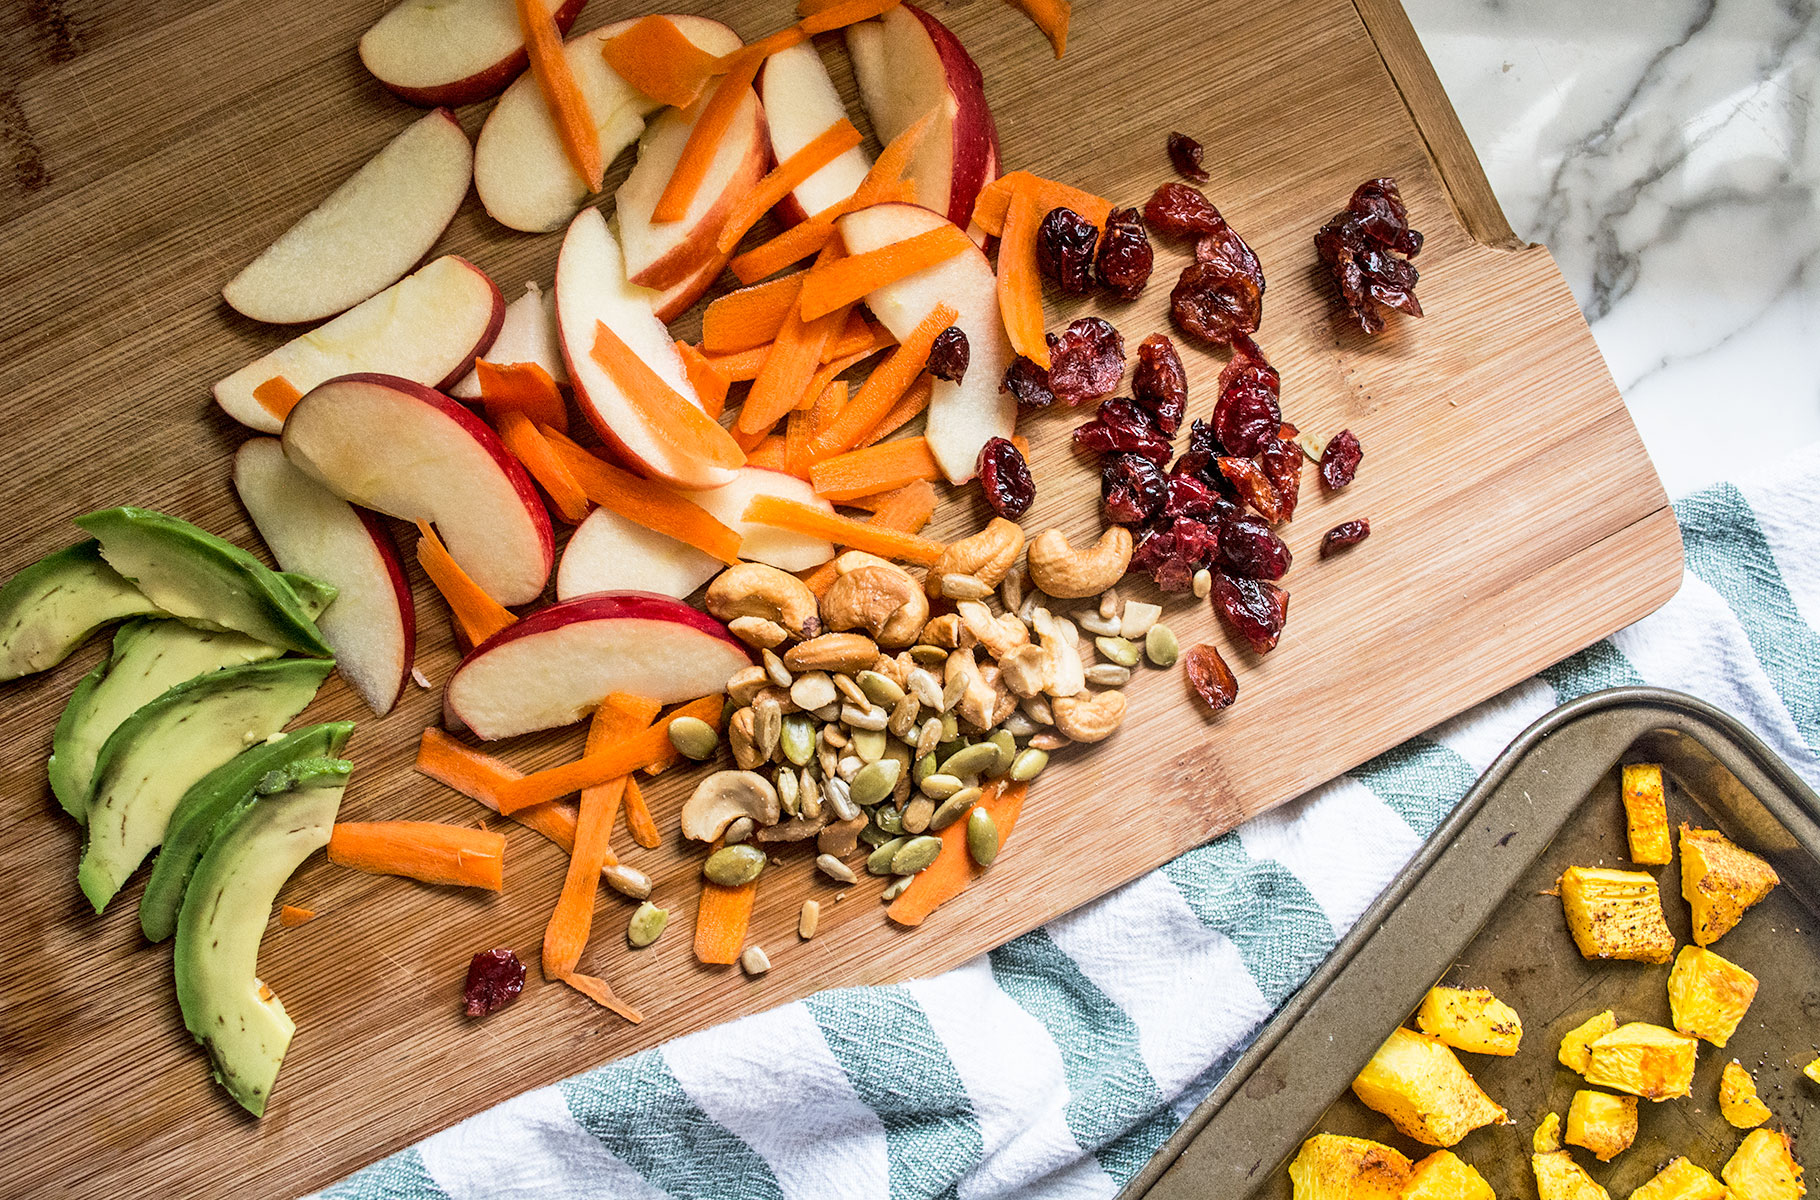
<point>149,151</point>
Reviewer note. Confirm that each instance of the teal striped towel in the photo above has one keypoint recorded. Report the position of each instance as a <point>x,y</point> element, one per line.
<point>1056,1065</point>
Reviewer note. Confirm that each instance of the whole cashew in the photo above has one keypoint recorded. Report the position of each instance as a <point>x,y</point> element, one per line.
<point>1089,718</point>
<point>758,590</point>
<point>882,600</point>
<point>988,556</point>
<point>1060,570</point>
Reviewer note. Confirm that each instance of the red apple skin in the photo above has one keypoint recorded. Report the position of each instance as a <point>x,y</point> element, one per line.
<point>681,296</point>
<point>387,545</point>
<point>686,258</point>
<point>483,85</point>
<point>975,142</point>
<point>486,338</point>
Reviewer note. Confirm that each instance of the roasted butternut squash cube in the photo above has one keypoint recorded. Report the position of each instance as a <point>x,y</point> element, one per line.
<point>1644,1060</point>
<point>1602,1123</point>
<point>1616,914</point>
<point>1646,814</point>
<point>1738,1102</point>
<point>1812,1070</point>
<point>1442,1176</point>
<point>1470,1019</point>
<point>1681,1180</point>
<point>1575,1052</point>
<point>1764,1168</point>
<point>1418,1083</point>
<point>1720,880</point>
<point>1559,1177</point>
<point>1547,1137</point>
<point>1708,995</point>
<point>1331,1167</point>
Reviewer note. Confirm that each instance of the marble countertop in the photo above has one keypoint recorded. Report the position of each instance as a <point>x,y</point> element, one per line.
<point>1668,154</point>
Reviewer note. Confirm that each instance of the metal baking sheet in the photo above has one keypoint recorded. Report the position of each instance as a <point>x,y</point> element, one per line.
<point>1471,910</point>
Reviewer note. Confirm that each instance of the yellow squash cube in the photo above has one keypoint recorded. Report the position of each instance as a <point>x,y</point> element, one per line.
<point>1720,880</point>
<point>1681,1180</point>
<point>1559,1177</point>
<point>1764,1168</point>
<point>1576,1052</point>
<point>1708,995</point>
<point>1470,1019</point>
<point>1646,814</point>
<point>1547,1137</point>
<point>1442,1176</point>
<point>1644,1060</point>
<point>1616,914</point>
<point>1812,1070</point>
<point>1418,1083</point>
<point>1602,1123</point>
<point>1738,1102</point>
<point>1331,1167</point>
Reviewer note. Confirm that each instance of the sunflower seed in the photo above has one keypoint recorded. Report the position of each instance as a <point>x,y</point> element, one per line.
<point>1109,603</point>
<point>867,717</point>
<point>954,808</point>
<point>755,961</point>
<point>789,793</point>
<point>928,738</point>
<point>647,924</point>
<point>775,670</point>
<point>835,736</point>
<point>813,690</point>
<point>916,855</point>
<point>850,690</point>
<point>1038,710</point>
<point>849,766</point>
<point>627,881</point>
<point>1203,583</point>
<point>834,868</point>
<point>1096,624</point>
<point>896,888</point>
<point>1048,740</point>
<point>926,687</point>
<point>1011,590</point>
<point>734,866</point>
<point>809,920</point>
<point>835,792</point>
<point>767,724</point>
<point>955,688</point>
<point>811,795</point>
<point>694,738</point>
<point>1108,675</point>
<point>956,586</point>
<point>982,837</point>
<point>903,717</point>
<point>917,814</point>
<point>1018,725</point>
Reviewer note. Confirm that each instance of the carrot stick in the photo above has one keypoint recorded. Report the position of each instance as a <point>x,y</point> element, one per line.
<point>844,12</point>
<point>887,385</point>
<point>757,52</point>
<point>677,423</point>
<point>277,396</point>
<point>568,106</point>
<point>798,433</point>
<point>792,363</point>
<point>751,441</point>
<point>995,200</point>
<point>1050,16</point>
<point>290,916</point>
<point>638,817</point>
<point>477,614</point>
<point>744,365</point>
<point>424,850</point>
<point>523,387</point>
<point>621,758</point>
<point>1020,288</point>
<point>769,454</point>
<point>808,8</point>
<point>877,468</point>
<point>698,152</point>
<point>750,316</point>
<point>721,920</point>
<point>533,450</point>
<point>656,58</point>
<point>710,385</point>
<point>843,281</point>
<point>906,510</point>
<point>903,412</point>
<point>646,502</point>
<point>807,519</point>
<point>954,869</point>
<point>596,989</point>
<point>828,403</point>
<point>785,178</point>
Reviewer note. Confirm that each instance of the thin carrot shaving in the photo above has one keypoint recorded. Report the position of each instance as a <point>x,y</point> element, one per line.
<point>903,412</point>
<point>844,12</point>
<point>655,57</point>
<point>522,387</point>
<point>807,519</point>
<point>477,614</point>
<point>290,916</point>
<point>533,450</point>
<point>1020,288</point>
<point>860,337</point>
<point>1050,16</point>
<point>676,422</point>
<point>456,855</point>
<point>277,396</point>
<point>808,8</point>
<point>745,365</point>
<point>751,441</point>
<point>785,178</point>
<point>605,728</point>
<point>887,465</point>
<point>824,377</point>
<point>906,510</point>
<point>638,817</point>
<point>568,106</point>
<point>596,989</point>
<point>799,433</point>
<point>954,870</point>
<point>721,920</point>
<point>994,200</point>
<point>621,758</point>
<point>647,502</point>
<point>749,317</point>
<point>793,360</point>
<point>847,280</point>
<point>710,385</point>
<point>769,454</point>
<point>887,384</point>
<point>710,127</point>
<point>757,52</point>
<point>828,403</point>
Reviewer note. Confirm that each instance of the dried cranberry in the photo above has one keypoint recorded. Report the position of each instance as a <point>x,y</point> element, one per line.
<point>1124,259</point>
<point>1065,242</point>
<point>1185,153</point>
<point>1340,460</point>
<point>949,355</point>
<point>1210,676</point>
<point>1028,382</point>
<point>1360,246</point>
<point>1159,382</point>
<point>1005,478</point>
<point>1346,533</point>
<point>1132,488</point>
<point>1249,549</point>
<point>1248,362</point>
<point>1383,217</point>
<point>1255,610</point>
<point>1086,360</point>
<point>1121,425</point>
<point>1246,417</point>
<point>1197,460</point>
<point>1173,554</point>
<point>495,978</point>
<point>1253,485</point>
<point>1189,497</point>
<point>1281,462</point>
<point>1182,211</point>
<point>1213,302</point>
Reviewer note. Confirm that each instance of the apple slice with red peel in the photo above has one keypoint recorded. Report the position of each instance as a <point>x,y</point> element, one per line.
<point>427,328</point>
<point>452,52</point>
<point>907,64</point>
<point>372,625</point>
<point>608,553</point>
<point>962,416</point>
<point>800,104</point>
<point>781,548</point>
<point>555,666</point>
<point>526,335</point>
<point>521,172</point>
<point>591,289</point>
<point>389,444</point>
<point>676,299</point>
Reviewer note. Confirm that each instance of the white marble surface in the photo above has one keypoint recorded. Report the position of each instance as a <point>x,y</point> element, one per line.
<point>1668,153</point>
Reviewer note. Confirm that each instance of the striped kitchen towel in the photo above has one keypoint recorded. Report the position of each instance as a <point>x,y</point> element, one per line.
<point>1056,1065</point>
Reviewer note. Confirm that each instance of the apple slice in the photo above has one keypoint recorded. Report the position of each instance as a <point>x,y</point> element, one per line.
<point>555,667</point>
<point>766,543</point>
<point>659,255</point>
<point>367,234</point>
<point>962,416</point>
<point>907,63</point>
<point>591,287</point>
<point>675,300</point>
<point>527,334</point>
<point>800,103</point>
<point>427,328</point>
<point>372,625</point>
<point>523,176</point>
<point>389,444</point>
<point>608,553</point>
<point>452,52</point>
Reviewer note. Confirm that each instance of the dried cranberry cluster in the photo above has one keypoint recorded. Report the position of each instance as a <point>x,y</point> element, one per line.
<point>1360,246</point>
<point>1220,295</point>
<point>1071,253</point>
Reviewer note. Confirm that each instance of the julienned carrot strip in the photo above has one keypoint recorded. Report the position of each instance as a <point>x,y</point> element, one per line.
<point>828,403</point>
<point>596,989</point>
<point>744,365</point>
<point>860,337</point>
<point>1020,288</point>
<point>457,855</point>
<point>622,758</point>
<point>877,468</point>
<point>523,387</point>
<point>721,920</point>
<point>533,450</point>
<point>677,423</point>
<point>1050,16</point>
<point>655,57</point>
<point>785,178</point>
<point>907,509</point>
<point>749,317</point>
<point>769,454</point>
<point>887,384</point>
<point>995,199</point>
<point>647,502</point>
<point>605,728</point>
<point>710,385</point>
<point>757,52</point>
<point>752,441</point>
<point>903,412</point>
<point>277,396</point>
<point>824,376</point>
<point>807,519</point>
<point>568,106</point>
<point>698,152</point>
<point>793,360</point>
<point>638,817</point>
<point>847,280</point>
<point>954,869</point>
<point>799,433</point>
<point>477,614</point>
<point>844,12</point>
<point>290,916</point>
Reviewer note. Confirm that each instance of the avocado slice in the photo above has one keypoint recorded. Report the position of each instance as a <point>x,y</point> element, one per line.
<point>159,752</point>
<point>314,594</point>
<point>202,579</point>
<point>255,847</point>
<point>52,606</point>
<point>212,797</point>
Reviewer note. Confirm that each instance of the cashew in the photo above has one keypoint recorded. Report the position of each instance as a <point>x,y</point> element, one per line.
<point>1060,570</point>
<point>742,737</point>
<point>833,652</point>
<point>757,590</point>
<point>841,838</point>
<point>1024,670</point>
<point>978,696</point>
<point>947,633</point>
<point>746,683</point>
<point>853,560</point>
<point>1067,675</point>
<point>758,632</point>
<point>1089,718</point>
<point>988,556</point>
<point>998,636</point>
<point>723,798</point>
<point>882,600</point>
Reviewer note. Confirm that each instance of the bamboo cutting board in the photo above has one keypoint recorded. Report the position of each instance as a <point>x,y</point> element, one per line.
<point>151,150</point>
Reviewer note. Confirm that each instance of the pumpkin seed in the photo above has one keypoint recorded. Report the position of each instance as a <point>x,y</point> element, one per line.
<point>925,767</point>
<point>874,781</point>
<point>809,920</point>
<point>976,759</point>
<point>954,808</point>
<point>869,717</point>
<point>694,738</point>
<point>1138,617</point>
<point>896,888</point>
<point>755,961</point>
<point>850,690</point>
<point>1096,624</point>
<point>1028,764</point>
<point>734,866</point>
<point>840,799</point>
<point>875,837</point>
<point>916,855</point>
<point>868,744</point>
<point>887,820</point>
<point>1117,650</point>
<point>789,795</point>
<point>741,830</point>
<point>951,727</point>
<point>797,738</point>
<point>647,924</point>
<point>939,786</point>
<point>1203,583</point>
<point>928,656</point>
<point>811,792</point>
<point>881,690</point>
<point>1161,646</point>
<point>775,670</point>
<point>879,861</point>
<point>950,747</point>
<point>1109,675</point>
<point>982,837</point>
<point>903,716</point>
<point>627,881</point>
<point>834,868</point>
<point>1007,750</point>
<point>926,687</point>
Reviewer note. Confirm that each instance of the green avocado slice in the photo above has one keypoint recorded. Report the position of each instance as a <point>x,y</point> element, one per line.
<point>311,592</point>
<point>212,797</point>
<point>255,847</point>
<point>54,605</point>
<point>159,752</point>
<point>202,579</point>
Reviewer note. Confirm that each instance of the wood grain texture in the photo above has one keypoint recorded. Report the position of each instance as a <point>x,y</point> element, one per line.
<point>149,151</point>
